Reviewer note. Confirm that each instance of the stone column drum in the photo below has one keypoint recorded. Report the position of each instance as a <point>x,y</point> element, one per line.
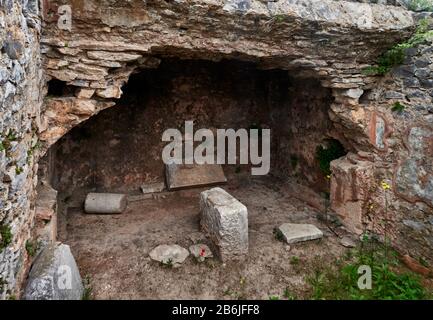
<point>225,221</point>
<point>105,203</point>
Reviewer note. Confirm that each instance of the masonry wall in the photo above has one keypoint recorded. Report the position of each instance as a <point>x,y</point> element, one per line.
<point>386,188</point>
<point>20,102</point>
<point>407,155</point>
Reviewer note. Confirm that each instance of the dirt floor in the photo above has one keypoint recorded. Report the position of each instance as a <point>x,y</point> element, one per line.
<point>112,250</point>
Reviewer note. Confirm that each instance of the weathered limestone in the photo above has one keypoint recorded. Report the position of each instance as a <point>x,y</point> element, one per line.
<point>172,255</point>
<point>183,176</point>
<point>152,187</point>
<point>293,233</point>
<point>21,97</point>
<point>46,214</point>
<point>225,221</point>
<point>105,203</point>
<point>351,183</point>
<point>61,114</point>
<point>54,276</point>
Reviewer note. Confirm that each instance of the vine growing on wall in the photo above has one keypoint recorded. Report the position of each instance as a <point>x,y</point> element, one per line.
<point>396,55</point>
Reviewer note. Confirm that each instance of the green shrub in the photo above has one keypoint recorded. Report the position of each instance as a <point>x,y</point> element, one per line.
<point>6,236</point>
<point>420,5</point>
<point>341,281</point>
<point>396,55</point>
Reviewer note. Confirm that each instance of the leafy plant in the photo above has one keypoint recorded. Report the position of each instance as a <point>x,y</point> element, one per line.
<point>168,264</point>
<point>420,5</point>
<point>87,294</point>
<point>396,55</point>
<point>6,236</point>
<point>341,281</point>
<point>324,156</point>
<point>274,298</point>
<point>288,295</point>
<point>398,107</point>
<point>31,248</point>
<point>278,234</point>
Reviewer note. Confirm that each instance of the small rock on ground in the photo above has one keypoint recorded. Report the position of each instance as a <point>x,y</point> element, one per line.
<point>347,242</point>
<point>293,233</point>
<point>169,254</point>
<point>201,252</point>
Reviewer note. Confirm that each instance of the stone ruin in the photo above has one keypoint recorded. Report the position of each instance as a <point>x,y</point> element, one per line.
<point>55,77</point>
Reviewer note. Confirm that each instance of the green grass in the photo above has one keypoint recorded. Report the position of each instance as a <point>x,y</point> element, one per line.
<point>340,281</point>
<point>288,295</point>
<point>168,264</point>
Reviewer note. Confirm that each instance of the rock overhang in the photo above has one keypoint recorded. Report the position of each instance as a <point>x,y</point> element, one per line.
<point>286,28</point>
<point>332,41</point>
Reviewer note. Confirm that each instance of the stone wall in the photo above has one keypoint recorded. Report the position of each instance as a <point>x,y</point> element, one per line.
<point>226,94</point>
<point>331,41</point>
<point>20,101</point>
<point>404,154</point>
<point>384,185</point>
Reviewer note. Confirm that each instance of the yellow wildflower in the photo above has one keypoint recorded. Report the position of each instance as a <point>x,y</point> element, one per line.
<point>385,185</point>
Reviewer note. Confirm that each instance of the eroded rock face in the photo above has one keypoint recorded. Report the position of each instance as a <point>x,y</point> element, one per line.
<point>394,196</point>
<point>414,176</point>
<point>320,38</point>
<point>21,95</point>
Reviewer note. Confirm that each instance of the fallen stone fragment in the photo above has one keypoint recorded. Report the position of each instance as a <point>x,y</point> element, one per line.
<point>172,255</point>
<point>152,187</point>
<point>184,176</point>
<point>105,203</point>
<point>225,221</point>
<point>347,242</point>
<point>201,252</point>
<point>54,275</point>
<point>293,233</point>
